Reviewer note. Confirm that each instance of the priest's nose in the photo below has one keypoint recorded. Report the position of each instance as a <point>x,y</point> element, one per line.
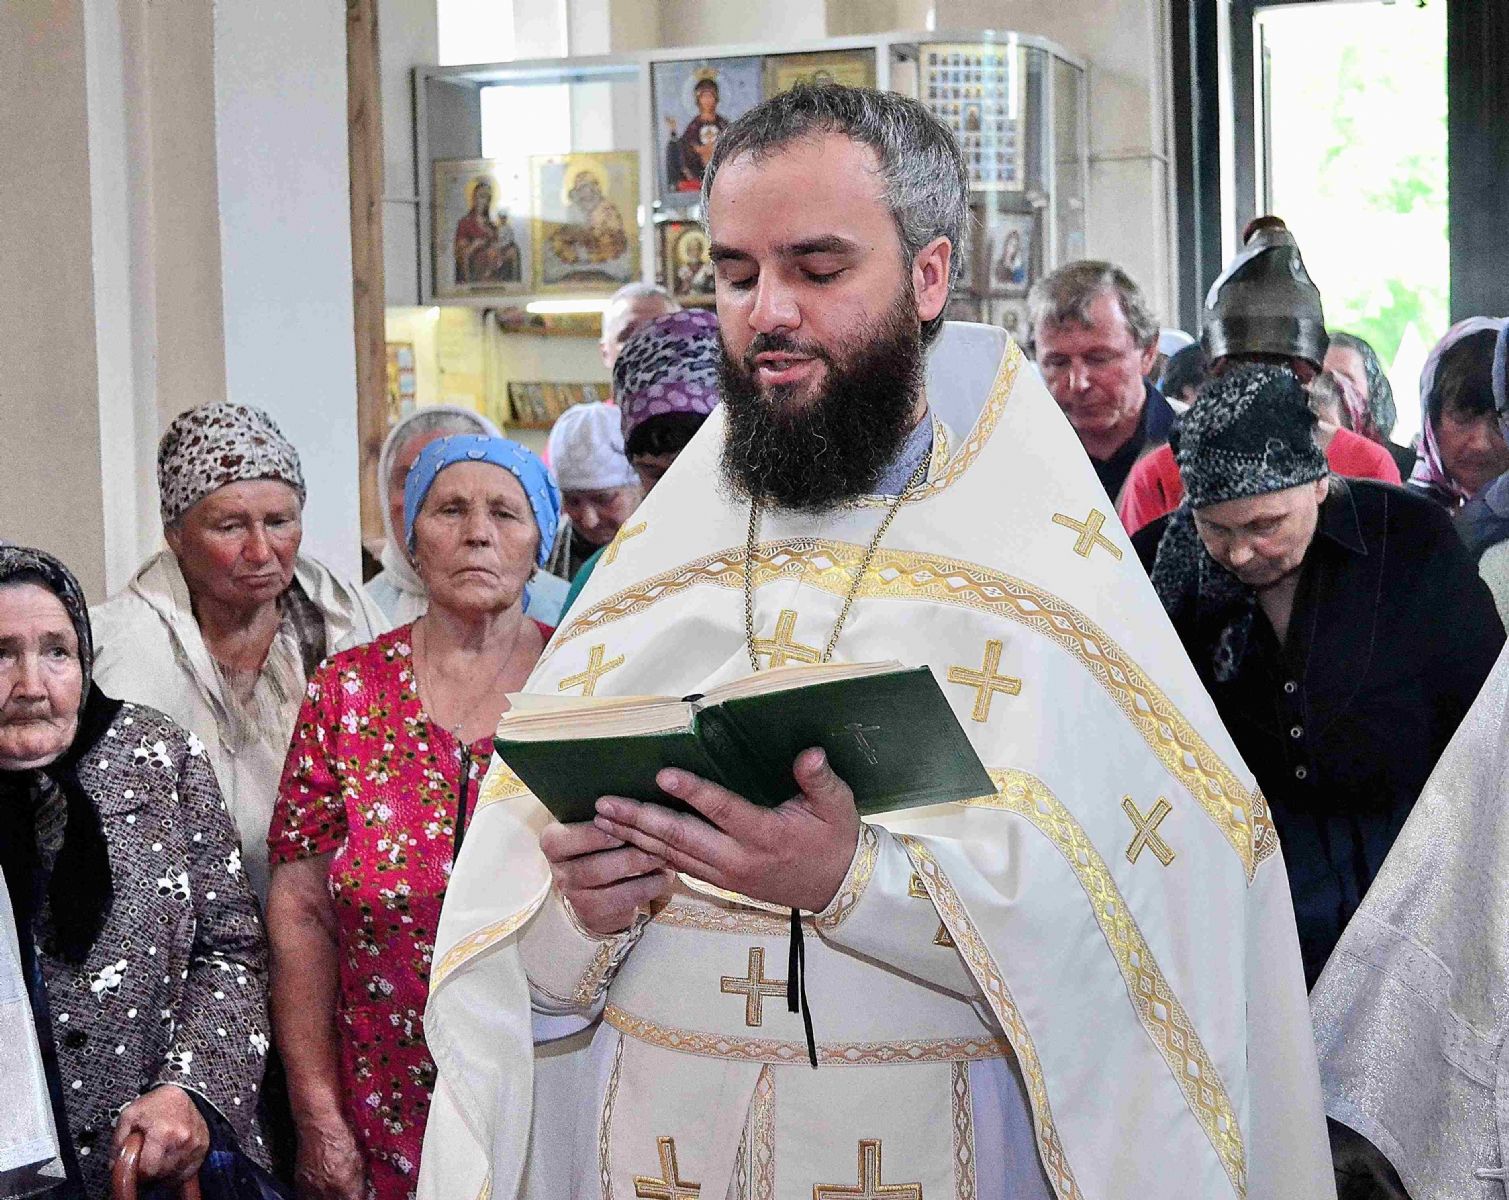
<point>775,306</point>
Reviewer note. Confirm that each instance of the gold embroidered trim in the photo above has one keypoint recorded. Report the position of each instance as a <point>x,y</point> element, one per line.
<point>853,887</point>
<point>487,1188</point>
<point>605,1125</point>
<point>943,471</point>
<point>987,681</point>
<point>587,678</point>
<point>762,1161</point>
<point>625,532</point>
<point>1162,1016</point>
<point>964,1134</point>
<point>835,1054</point>
<point>500,784</point>
<point>1241,815</point>
<point>474,943</point>
<point>972,946</point>
<point>711,918</point>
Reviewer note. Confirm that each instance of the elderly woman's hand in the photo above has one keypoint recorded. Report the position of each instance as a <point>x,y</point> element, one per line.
<point>176,1137</point>
<point>329,1163</point>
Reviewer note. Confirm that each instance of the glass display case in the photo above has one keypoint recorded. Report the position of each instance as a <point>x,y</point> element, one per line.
<point>547,185</point>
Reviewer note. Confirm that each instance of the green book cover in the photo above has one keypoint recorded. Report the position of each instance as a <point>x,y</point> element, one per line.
<point>888,732</point>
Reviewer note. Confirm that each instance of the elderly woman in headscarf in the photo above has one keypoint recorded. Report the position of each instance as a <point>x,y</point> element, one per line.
<point>397,588</point>
<point>665,381</point>
<point>1338,625</point>
<point>1369,396</point>
<point>1462,447</point>
<point>222,629</point>
<point>139,941</point>
<point>599,489</point>
<point>380,780</point>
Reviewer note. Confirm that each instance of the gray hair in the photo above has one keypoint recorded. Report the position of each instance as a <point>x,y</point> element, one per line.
<point>444,419</point>
<point>926,181</point>
<point>638,290</point>
<point>1067,294</point>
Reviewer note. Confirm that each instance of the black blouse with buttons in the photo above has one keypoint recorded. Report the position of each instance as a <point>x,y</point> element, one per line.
<point>1391,636</point>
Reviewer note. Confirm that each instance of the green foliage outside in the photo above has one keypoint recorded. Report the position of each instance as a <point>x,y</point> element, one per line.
<point>1357,103</point>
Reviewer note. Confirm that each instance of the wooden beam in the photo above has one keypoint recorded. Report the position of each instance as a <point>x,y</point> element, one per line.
<point>364,130</point>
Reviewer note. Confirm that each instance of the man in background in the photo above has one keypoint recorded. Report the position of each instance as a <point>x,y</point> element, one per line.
<point>629,310</point>
<point>1096,343</point>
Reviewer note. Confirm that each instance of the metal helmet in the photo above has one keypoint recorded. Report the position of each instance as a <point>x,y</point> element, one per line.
<point>1264,302</point>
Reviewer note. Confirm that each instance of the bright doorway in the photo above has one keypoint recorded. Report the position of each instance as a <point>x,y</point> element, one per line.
<point>1352,154</point>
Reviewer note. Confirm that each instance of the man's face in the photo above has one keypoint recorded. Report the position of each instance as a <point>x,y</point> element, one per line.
<point>820,320</point>
<point>627,319</point>
<point>1263,539</point>
<point>1473,449</point>
<point>1095,371</point>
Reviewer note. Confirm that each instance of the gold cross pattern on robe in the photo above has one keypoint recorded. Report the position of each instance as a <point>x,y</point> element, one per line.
<point>782,649</point>
<point>1090,536</point>
<point>870,1186</point>
<point>918,891</point>
<point>587,679</point>
<point>670,1185</point>
<point>1146,836</point>
<point>986,681</point>
<point>754,987</point>
<point>625,532</point>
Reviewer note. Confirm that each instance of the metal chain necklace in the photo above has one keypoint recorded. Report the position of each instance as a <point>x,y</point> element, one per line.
<point>749,552</point>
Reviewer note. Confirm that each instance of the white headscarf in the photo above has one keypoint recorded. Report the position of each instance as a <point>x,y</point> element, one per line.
<point>397,571</point>
<point>587,449</point>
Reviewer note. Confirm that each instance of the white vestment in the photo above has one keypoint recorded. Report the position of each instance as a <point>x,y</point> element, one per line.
<point>1098,962</point>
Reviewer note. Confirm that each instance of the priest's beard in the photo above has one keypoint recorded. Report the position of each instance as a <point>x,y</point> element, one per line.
<point>817,452</point>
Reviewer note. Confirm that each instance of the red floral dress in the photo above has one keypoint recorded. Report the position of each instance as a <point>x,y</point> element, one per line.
<point>373,781</point>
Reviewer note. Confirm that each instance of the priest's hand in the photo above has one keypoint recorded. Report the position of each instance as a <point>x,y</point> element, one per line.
<point>605,880</point>
<point>796,855</point>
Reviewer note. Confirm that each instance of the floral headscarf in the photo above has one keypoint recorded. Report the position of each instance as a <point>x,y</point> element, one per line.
<point>668,366</point>
<point>208,448</point>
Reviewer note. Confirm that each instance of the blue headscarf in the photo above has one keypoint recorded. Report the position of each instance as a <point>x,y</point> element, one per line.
<point>533,476</point>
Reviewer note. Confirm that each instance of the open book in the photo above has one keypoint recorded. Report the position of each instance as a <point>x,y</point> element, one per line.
<point>887,729</point>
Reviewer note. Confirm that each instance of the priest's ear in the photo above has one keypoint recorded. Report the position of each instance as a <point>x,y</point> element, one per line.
<point>930,269</point>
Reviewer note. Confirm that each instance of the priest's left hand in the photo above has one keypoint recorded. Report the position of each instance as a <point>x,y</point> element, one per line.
<point>796,855</point>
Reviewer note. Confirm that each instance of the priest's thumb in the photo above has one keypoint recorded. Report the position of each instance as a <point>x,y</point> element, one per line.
<point>826,793</point>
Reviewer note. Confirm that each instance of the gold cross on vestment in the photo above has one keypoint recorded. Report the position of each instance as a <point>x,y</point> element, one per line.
<point>869,1187</point>
<point>781,649</point>
<point>985,681</point>
<point>754,988</point>
<point>1089,534</point>
<point>917,890</point>
<point>587,679</point>
<point>1147,831</point>
<point>625,532</point>
<point>670,1185</point>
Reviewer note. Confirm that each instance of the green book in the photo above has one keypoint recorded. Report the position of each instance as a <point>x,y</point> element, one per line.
<point>888,732</point>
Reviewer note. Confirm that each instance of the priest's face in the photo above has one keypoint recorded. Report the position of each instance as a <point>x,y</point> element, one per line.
<point>820,313</point>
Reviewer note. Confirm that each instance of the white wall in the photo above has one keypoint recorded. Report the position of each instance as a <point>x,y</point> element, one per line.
<point>280,117</point>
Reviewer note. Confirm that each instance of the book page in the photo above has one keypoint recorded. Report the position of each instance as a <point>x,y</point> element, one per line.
<point>785,679</point>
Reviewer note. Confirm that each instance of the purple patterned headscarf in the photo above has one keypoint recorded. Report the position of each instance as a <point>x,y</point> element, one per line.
<point>669,366</point>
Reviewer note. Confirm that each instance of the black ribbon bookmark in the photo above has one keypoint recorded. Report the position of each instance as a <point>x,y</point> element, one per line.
<point>796,983</point>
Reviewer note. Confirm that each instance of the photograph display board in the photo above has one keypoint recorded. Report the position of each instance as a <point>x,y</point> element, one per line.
<point>977,92</point>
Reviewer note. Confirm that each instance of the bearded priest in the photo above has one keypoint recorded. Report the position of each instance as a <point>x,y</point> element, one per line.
<point>1084,984</point>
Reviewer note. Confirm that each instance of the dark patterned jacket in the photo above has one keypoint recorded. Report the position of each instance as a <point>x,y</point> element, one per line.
<point>175,988</point>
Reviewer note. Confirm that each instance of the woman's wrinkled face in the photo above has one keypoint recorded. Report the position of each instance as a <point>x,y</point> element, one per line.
<point>41,677</point>
<point>475,539</point>
<point>597,514</point>
<point>237,546</point>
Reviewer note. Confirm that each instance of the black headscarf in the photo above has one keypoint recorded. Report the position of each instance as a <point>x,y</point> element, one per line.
<point>1250,433</point>
<point>78,889</point>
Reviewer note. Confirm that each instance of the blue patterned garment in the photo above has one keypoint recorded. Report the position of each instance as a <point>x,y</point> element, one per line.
<point>533,476</point>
